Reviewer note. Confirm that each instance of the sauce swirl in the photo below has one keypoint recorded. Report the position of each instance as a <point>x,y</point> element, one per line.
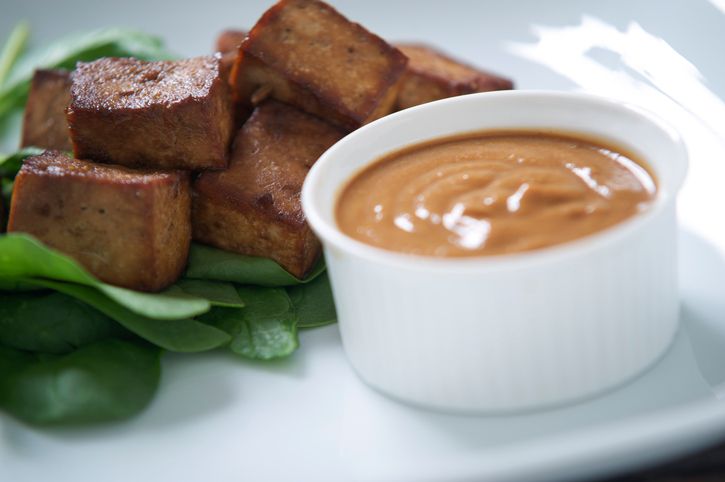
<point>493,192</point>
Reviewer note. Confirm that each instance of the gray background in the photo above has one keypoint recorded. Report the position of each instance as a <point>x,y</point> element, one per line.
<point>473,30</point>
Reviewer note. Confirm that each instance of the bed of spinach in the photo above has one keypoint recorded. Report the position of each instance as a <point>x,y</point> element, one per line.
<point>75,350</point>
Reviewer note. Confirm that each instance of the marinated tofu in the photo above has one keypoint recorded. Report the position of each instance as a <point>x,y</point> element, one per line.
<point>432,75</point>
<point>44,123</point>
<point>229,40</point>
<point>227,44</point>
<point>157,115</point>
<point>130,228</point>
<point>254,207</point>
<point>304,53</point>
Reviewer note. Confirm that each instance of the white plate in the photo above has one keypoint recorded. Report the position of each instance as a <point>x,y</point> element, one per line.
<point>309,418</point>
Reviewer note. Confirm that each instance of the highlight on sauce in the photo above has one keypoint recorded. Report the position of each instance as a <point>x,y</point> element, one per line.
<point>493,192</point>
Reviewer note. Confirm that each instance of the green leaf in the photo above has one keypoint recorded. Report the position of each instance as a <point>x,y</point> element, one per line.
<point>10,164</point>
<point>103,381</point>
<point>183,335</point>
<point>22,257</point>
<point>313,303</point>
<point>52,323</point>
<point>11,127</point>
<point>264,329</point>
<point>9,167</point>
<point>6,190</point>
<point>210,263</point>
<point>218,294</point>
<point>17,285</point>
<point>12,49</point>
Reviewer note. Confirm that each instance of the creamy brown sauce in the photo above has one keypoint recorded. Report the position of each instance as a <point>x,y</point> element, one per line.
<point>493,192</point>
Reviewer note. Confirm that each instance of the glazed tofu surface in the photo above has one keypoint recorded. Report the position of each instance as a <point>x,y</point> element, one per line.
<point>229,40</point>
<point>130,228</point>
<point>254,207</point>
<point>44,121</point>
<point>158,115</point>
<point>432,75</point>
<point>227,44</point>
<point>303,52</point>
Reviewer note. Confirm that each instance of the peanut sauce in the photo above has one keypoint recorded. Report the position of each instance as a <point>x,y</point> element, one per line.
<point>493,192</point>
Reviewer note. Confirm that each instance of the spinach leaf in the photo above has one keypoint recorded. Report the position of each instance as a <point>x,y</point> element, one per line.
<point>23,257</point>
<point>183,335</point>
<point>104,381</point>
<point>9,167</point>
<point>263,329</point>
<point>12,49</point>
<point>313,303</point>
<point>11,127</point>
<point>52,323</point>
<point>218,294</point>
<point>10,164</point>
<point>206,262</point>
<point>17,285</point>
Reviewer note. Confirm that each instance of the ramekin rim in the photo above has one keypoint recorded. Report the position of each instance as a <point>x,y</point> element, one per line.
<point>331,234</point>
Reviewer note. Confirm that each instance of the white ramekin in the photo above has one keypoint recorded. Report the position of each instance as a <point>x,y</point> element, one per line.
<point>516,331</point>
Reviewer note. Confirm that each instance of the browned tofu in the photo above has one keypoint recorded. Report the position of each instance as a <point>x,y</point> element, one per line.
<point>229,40</point>
<point>158,115</point>
<point>254,207</point>
<point>130,228</point>
<point>44,123</point>
<point>227,44</point>
<point>305,53</point>
<point>433,75</point>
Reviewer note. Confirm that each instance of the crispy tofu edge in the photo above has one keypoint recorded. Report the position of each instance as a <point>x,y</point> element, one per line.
<point>163,241</point>
<point>329,106</point>
<point>243,224</point>
<point>158,281</point>
<point>207,107</point>
<point>427,86</point>
<point>39,77</point>
<point>229,40</point>
<point>260,237</point>
<point>461,87</point>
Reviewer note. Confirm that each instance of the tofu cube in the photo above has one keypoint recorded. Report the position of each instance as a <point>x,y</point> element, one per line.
<point>254,207</point>
<point>44,123</point>
<point>229,40</point>
<point>157,115</point>
<point>130,228</point>
<point>433,75</point>
<point>304,53</point>
<point>227,44</point>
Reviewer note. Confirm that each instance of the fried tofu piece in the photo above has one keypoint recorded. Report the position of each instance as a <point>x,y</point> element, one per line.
<point>229,40</point>
<point>254,207</point>
<point>130,228</point>
<point>227,44</point>
<point>157,115</point>
<point>433,75</point>
<point>304,53</point>
<point>44,123</point>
